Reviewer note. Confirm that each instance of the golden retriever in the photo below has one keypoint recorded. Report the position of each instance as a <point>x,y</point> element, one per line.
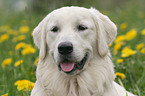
<point>74,58</point>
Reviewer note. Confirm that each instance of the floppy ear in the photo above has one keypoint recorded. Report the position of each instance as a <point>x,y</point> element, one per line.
<point>39,38</point>
<point>106,31</point>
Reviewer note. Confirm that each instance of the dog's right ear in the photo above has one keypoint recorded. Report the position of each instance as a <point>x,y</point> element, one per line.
<point>39,37</point>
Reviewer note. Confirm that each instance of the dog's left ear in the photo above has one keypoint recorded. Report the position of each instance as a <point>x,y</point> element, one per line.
<point>106,31</point>
<point>39,37</point>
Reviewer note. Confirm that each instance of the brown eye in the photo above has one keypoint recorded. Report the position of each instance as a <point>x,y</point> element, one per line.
<point>55,29</point>
<point>82,27</point>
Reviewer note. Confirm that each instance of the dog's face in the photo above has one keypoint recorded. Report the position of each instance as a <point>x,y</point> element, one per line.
<point>70,38</point>
<point>71,35</point>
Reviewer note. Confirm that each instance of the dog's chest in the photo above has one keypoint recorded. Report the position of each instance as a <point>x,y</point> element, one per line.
<point>74,88</point>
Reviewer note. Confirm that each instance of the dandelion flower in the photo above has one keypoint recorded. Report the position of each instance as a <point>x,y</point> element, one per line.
<point>6,62</point>
<point>122,75</point>
<point>131,34</point>
<point>110,44</point>
<point>5,94</point>
<point>36,61</point>
<point>12,32</point>
<point>19,38</point>
<point>24,29</point>
<point>126,52</point>
<point>119,60</point>
<point>4,28</point>
<point>22,45</point>
<point>18,63</point>
<point>24,85</point>
<point>120,38</point>
<point>143,51</point>
<point>139,46</point>
<point>123,26</point>
<point>4,37</point>
<point>28,50</point>
<point>117,47</point>
<point>143,32</point>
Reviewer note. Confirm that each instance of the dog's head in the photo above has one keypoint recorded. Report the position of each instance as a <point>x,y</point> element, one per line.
<point>72,36</point>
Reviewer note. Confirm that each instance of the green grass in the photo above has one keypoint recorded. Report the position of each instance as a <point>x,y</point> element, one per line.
<point>133,67</point>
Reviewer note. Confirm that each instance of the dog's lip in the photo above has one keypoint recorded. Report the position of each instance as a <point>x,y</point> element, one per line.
<point>77,65</point>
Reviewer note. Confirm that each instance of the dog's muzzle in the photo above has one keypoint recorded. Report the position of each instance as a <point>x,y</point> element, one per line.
<point>70,67</point>
<point>67,64</point>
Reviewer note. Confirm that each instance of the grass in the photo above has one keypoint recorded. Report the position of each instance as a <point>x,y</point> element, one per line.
<point>133,66</point>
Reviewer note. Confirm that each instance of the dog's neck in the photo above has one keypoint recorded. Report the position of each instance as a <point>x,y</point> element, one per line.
<point>94,80</point>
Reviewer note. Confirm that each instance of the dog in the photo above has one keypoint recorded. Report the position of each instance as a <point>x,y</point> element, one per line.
<point>74,58</point>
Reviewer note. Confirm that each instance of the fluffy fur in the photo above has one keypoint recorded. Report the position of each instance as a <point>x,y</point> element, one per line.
<point>96,78</point>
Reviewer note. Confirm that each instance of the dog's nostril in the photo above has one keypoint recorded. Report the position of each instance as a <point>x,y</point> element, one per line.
<point>65,48</point>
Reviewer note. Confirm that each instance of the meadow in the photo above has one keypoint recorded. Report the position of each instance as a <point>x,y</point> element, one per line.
<point>19,55</point>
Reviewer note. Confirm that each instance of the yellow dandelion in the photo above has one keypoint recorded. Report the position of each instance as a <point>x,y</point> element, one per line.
<point>5,94</point>
<point>4,37</point>
<point>122,75</point>
<point>24,29</point>
<point>123,26</point>
<point>19,38</point>
<point>28,50</point>
<point>143,32</point>
<point>24,85</point>
<point>139,46</point>
<point>120,38</point>
<point>143,51</point>
<point>18,63</point>
<point>117,47</point>
<point>6,62</point>
<point>126,52</point>
<point>131,34</point>
<point>119,60</point>
<point>22,45</point>
<point>110,44</point>
<point>12,32</point>
<point>36,61</point>
<point>4,28</point>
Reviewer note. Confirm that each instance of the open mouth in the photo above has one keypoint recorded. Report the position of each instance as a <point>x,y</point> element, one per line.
<point>69,67</point>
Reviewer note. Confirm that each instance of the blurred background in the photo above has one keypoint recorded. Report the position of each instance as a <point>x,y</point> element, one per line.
<point>8,8</point>
<point>44,6</point>
<point>19,55</point>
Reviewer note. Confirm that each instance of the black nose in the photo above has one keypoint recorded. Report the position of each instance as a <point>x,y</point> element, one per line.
<point>65,48</point>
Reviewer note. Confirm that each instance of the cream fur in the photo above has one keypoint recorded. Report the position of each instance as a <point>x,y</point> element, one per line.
<point>96,79</point>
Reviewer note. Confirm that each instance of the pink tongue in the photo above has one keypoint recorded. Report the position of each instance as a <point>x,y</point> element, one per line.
<point>67,66</point>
